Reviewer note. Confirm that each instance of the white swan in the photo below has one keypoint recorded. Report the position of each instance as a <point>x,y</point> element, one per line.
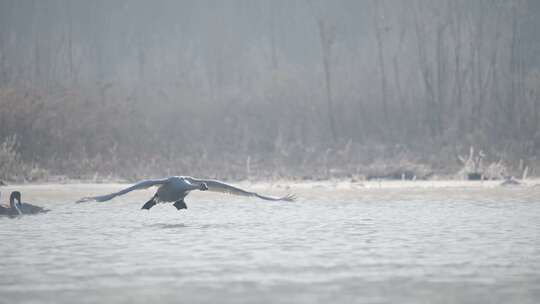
<point>175,188</point>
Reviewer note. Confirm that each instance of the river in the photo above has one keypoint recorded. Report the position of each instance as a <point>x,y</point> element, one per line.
<point>399,245</point>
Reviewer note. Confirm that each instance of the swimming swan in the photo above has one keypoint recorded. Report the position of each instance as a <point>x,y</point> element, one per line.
<point>176,188</point>
<point>12,210</point>
<point>25,208</point>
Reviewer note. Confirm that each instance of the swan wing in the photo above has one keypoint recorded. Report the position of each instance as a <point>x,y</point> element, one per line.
<point>217,186</point>
<point>138,186</point>
<point>31,209</point>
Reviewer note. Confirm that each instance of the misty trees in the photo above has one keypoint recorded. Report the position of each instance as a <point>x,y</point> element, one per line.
<point>327,35</point>
<point>380,50</point>
<point>269,81</point>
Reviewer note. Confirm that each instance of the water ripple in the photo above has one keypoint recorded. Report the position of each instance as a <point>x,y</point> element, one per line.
<point>365,246</point>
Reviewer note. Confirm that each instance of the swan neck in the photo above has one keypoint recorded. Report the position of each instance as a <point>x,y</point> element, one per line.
<point>15,196</point>
<point>15,206</point>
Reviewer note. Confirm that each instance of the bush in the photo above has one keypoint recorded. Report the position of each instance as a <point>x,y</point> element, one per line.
<point>10,160</point>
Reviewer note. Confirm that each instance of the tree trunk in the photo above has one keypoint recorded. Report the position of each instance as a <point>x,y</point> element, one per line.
<point>326,43</point>
<point>427,78</point>
<point>380,49</point>
<point>70,39</point>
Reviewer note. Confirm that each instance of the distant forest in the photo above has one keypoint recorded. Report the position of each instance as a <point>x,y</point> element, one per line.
<point>245,89</point>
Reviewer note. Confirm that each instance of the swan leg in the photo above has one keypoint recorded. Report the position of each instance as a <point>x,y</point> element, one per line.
<point>180,205</point>
<point>151,203</point>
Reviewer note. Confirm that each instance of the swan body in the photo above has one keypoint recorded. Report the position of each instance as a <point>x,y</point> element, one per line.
<point>31,209</point>
<point>20,208</point>
<point>8,211</point>
<point>24,208</point>
<point>176,188</point>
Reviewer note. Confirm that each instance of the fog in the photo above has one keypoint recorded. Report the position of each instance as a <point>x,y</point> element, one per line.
<point>269,89</point>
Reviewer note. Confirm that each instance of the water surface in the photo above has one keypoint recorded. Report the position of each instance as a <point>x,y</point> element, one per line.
<point>361,245</point>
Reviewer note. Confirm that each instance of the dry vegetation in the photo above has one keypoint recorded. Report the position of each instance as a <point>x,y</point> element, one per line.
<point>309,90</point>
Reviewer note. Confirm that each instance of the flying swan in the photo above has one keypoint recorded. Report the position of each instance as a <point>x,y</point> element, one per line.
<point>176,188</point>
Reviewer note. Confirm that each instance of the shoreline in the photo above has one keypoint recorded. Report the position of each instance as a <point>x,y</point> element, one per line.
<point>331,184</point>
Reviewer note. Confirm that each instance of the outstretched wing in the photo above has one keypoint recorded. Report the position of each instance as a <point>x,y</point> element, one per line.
<point>217,186</point>
<point>138,186</point>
